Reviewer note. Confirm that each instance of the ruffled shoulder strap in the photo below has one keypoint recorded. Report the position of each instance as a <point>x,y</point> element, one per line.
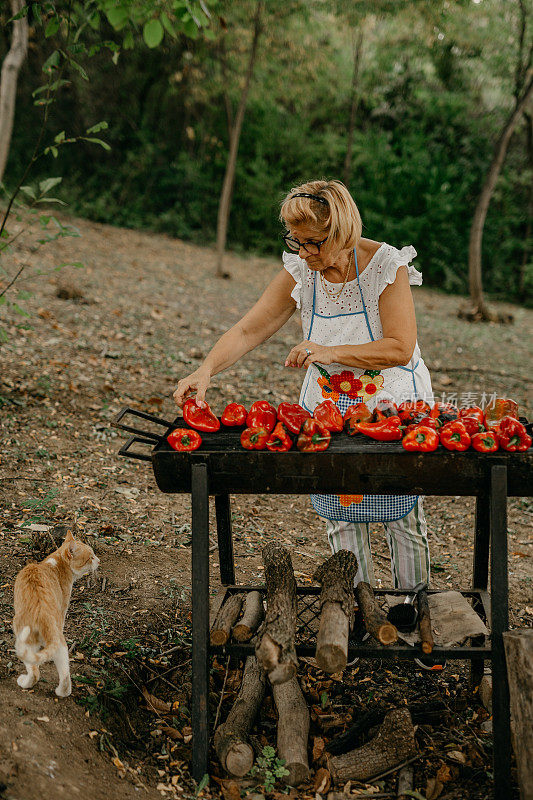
<point>294,266</point>
<point>392,259</point>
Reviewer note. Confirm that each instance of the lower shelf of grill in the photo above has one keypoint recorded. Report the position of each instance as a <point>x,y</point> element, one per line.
<point>308,621</point>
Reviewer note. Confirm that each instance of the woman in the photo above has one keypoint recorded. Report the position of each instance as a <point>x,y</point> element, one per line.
<point>359,345</point>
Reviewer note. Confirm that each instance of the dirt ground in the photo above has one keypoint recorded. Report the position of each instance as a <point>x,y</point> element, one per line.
<point>148,309</point>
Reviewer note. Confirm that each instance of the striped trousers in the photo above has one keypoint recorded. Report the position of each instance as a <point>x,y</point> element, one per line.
<point>408,546</point>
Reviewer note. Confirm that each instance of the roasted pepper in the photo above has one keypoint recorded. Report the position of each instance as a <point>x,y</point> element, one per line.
<point>485,442</point>
<point>254,438</point>
<point>292,415</point>
<point>410,409</point>
<point>472,424</point>
<point>202,419</point>
<point>444,413</point>
<point>512,436</point>
<point>499,408</point>
<point>234,415</point>
<point>314,437</point>
<point>262,415</point>
<point>279,440</point>
<point>183,439</point>
<point>420,419</point>
<point>454,436</point>
<point>422,439</point>
<point>359,411</point>
<point>329,415</point>
<point>472,411</point>
<point>387,430</point>
<point>385,409</point>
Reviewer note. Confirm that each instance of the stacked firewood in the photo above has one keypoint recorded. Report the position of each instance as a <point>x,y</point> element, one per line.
<point>273,632</point>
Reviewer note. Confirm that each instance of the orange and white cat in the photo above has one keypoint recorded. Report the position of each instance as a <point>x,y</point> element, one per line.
<point>42,595</point>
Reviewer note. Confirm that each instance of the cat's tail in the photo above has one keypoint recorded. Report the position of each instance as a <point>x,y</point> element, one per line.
<point>28,654</point>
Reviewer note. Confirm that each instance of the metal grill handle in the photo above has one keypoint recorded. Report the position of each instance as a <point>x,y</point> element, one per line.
<point>125,449</point>
<point>117,423</point>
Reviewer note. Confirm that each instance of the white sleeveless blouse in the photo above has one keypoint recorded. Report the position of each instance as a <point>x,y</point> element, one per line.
<point>354,318</point>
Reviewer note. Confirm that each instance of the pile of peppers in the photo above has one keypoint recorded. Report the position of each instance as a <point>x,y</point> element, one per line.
<point>417,425</point>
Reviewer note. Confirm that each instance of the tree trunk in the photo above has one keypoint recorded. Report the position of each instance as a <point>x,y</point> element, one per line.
<point>293,730</point>
<point>375,620</point>
<point>393,744</point>
<point>529,212</point>
<point>252,617</point>
<point>275,650</point>
<point>337,606</point>
<point>8,80</point>
<point>479,308</point>
<point>233,750</point>
<point>357,49</point>
<point>519,656</point>
<point>227,186</point>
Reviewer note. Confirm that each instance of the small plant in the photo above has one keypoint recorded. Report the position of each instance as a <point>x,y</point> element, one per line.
<point>269,767</point>
<point>43,507</point>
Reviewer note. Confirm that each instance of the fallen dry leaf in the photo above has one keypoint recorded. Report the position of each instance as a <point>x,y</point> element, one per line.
<point>433,789</point>
<point>155,704</point>
<point>318,748</point>
<point>322,781</point>
<point>231,790</point>
<point>444,775</point>
<point>172,733</point>
<point>457,756</point>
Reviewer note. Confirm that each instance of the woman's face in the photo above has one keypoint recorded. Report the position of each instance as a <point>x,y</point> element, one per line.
<point>324,258</point>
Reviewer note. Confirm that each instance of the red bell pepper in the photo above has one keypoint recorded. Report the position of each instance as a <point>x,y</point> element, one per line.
<point>513,436</point>
<point>254,438</point>
<point>472,424</point>
<point>314,437</point>
<point>329,415</point>
<point>387,430</point>
<point>183,439</point>
<point>279,440</point>
<point>420,419</point>
<point>443,413</point>
<point>500,407</point>
<point>454,436</point>
<point>262,415</point>
<point>385,409</point>
<point>202,419</point>
<point>485,442</point>
<point>359,411</point>
<point>408,410</point>
<point>292,415</point>
<point>421,439</point>
<point>234,415</point>
<point>472,411</point>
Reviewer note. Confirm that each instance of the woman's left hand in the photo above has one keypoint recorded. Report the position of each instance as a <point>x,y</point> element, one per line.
<point>307,353</point>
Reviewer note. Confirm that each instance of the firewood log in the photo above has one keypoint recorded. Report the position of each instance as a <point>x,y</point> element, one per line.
<point>519,657</point>
<point>232,748</point>
<point>293,730</point>
<point>275,649</point>
<point>252,616</point>
<point>424,623</point>
<point>228,613</point>
<point>393,744</point>
<point>337,606</point>
<point>375,620</point>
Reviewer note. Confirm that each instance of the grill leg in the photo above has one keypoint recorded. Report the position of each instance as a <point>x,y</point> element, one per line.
<point>200,620</point>
<point>500,623</point>
<point>480,575</point>
<point>225,539</point>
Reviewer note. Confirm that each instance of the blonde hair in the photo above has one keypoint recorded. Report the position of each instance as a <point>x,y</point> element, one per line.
<point>339,220</point>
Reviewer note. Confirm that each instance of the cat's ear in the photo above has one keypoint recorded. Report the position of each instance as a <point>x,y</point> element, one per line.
<point>70,545</point>
<point>69,537</point>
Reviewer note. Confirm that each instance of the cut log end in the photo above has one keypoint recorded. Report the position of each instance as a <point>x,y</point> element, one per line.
<point>387,633</point>
<point>298,773</point>
<point>239,759</point>
<point>242,633</point>
<point>268,653</point>
<point>331,658</point>
<point>218,637</point>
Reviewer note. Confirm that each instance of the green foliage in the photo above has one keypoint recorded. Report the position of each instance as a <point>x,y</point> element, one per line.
<point>269,768</point>
<point>435,86</point>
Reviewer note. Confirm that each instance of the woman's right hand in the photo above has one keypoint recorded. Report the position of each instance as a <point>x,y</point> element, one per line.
<point>194,384</point>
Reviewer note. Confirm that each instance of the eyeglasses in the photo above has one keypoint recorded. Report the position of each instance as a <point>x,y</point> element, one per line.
<point>313,248</point>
